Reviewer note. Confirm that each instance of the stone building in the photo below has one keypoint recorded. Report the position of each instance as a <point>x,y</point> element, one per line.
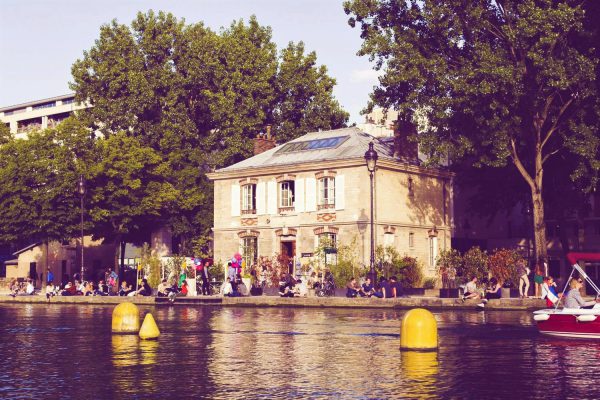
<point>287,198</point>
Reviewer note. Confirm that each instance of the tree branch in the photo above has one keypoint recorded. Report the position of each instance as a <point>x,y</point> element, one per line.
<point>555,124</point>
<point>519,164</point>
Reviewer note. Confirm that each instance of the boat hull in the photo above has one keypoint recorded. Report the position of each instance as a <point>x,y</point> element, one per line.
<point>574,325</point>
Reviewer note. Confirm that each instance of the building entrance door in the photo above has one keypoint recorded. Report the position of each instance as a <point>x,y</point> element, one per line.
<point>288,249</point>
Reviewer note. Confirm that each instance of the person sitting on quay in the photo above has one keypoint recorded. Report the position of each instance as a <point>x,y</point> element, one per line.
<point>286,288</point>
<point>29,289</point>
<point>352,288</point>
<point>51,290</point>
<point>125,289</point>
<point>301,288</point>
<point>79,288</point>
<point>395,286</point>
<point>88,290</point>
<point>367,289</point>
<point>163,289</point>
<point>226,288</point>
<point>102,289</point>
<point>14,287</point>
<point>573,298</point>
<point>181,292</point>
<point>492,292</point>
<point>144,290</point>
<point>471,290</point>
<point>548,291</point>
<point>242,289</point>
<point>70,290</point>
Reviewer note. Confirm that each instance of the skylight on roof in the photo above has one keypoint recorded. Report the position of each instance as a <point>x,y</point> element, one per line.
<point>316,144</point>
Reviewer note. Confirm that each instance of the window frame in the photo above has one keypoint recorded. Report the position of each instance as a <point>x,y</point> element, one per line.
<point>246,243</point>
<point>326,192</point>
<point>248,201</point>
<point>290,191</point>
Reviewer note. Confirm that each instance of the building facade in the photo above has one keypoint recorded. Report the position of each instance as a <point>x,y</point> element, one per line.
<point>38,114</point>
<point>292,197</point>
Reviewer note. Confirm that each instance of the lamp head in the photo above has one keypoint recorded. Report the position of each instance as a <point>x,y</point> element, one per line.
<point>371,158</point>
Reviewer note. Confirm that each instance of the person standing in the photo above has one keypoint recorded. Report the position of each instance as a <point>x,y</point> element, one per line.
<point>49,276</point>
<point>205,278</point>
<point>523,279</point>
<point>538,280</point>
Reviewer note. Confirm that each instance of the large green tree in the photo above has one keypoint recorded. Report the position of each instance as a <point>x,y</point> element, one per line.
<point>38,184</point>
<point>127,191</point>
<point>494,82</point>
<point>197,97</point>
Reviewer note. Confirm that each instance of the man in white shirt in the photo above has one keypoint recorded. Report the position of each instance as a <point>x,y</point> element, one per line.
<point>30,288</point>
<point>471,290</point>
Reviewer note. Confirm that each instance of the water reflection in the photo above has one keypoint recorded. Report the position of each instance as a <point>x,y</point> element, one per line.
<point>226,353</point>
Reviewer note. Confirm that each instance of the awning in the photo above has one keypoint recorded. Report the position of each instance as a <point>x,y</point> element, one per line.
<point>573,257</point>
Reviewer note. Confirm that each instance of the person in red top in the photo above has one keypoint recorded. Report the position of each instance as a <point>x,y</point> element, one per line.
<point>183,289</point>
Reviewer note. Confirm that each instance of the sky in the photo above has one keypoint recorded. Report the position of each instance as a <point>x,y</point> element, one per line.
<point>40,39</point>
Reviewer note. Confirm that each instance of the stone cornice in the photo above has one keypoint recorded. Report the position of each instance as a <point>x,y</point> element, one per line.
<point>328,164</point>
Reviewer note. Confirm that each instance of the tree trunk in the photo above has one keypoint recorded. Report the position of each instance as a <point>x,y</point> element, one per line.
<point>539,225</point>
<point>122,263</point>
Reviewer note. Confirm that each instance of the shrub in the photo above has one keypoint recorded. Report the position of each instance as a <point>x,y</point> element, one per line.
<point>407,269</point>
<point>429,283</point>
<point>217,271</point>
<point>346,265</point>
<point>475,263</point>
<point>503,265</point>
<point>151,265</point>
<point>411,274</point>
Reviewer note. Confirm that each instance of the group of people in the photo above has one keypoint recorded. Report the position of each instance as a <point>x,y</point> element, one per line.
<point>386,289</point>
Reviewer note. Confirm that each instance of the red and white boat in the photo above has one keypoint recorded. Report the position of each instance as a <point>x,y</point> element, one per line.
<point>572,322</point>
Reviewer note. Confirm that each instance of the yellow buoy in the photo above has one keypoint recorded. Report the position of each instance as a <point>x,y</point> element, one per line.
<point>149,329</point>
<point>419,330</point>
<point>126,318</point>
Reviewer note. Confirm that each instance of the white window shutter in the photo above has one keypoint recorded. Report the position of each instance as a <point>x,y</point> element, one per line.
<point>261,198</point>
<point>299,195</point>
<point>311,194</point>
<point>339,192</point>
<point>235,200</point>
<point>272,197</point>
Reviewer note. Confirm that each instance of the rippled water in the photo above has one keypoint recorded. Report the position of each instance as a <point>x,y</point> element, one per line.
<point>52,351</point>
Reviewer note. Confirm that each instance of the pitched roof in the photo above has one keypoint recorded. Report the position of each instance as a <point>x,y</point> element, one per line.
<point>31,246</point>
<point>353,143</point>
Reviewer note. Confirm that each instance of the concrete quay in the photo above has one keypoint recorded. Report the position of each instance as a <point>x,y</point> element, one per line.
<point>432,303</point>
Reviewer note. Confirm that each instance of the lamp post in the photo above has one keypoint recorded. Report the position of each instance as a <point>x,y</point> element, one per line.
<point>371,159</point>
<point>81,189</point>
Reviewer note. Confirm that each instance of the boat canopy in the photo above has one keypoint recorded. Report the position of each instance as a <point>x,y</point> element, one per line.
<point>573,257</point>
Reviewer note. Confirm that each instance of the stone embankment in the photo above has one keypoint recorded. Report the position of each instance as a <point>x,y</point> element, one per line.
<point>306,302</point>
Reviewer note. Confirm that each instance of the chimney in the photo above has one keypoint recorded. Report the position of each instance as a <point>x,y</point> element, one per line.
<point>404,148</point>
<point>264,142</point>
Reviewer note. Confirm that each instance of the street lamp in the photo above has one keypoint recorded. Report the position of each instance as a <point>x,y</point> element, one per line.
<point>371,159</point>
<point>81,189</point>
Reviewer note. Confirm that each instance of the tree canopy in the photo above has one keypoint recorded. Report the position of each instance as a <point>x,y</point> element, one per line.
<point>491,82</point>
<point>196,97</point>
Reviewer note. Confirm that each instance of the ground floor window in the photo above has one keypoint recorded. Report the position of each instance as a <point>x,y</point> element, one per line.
<point>249,250</point>
<point>433,251</point>
<point>328,240</point>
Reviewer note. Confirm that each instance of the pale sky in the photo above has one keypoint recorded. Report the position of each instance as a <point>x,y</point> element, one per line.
<point>40,39</point>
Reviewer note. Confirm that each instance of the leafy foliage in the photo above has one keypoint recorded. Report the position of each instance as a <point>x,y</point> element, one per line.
<point>492,82</point>
<point>475,263</point>
<point>195,98</point>
<point>503,265</point>
<point>407,269</point>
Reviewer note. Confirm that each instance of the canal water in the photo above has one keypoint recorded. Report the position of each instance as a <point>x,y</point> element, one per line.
<point>68,352</point>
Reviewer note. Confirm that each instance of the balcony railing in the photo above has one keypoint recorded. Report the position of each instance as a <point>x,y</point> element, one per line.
<point>325,207</point>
